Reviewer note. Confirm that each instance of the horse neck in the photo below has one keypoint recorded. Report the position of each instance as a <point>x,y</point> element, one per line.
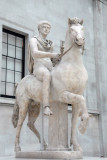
<point>74,55</point>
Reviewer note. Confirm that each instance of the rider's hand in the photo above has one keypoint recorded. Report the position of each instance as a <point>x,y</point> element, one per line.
<point>56,55</point>
<point>62,49</point>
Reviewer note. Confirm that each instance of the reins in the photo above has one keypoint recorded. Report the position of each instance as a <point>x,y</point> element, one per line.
<point>61,55</point>
<point>67,50</point>
<point>56,61</point>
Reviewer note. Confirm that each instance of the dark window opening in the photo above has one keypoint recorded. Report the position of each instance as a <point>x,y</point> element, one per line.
<point>13,58</point>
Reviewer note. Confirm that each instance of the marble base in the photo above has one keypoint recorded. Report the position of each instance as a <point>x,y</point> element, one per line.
<point>58,126</point>
<point>50,155</point>
<point>58,149</point>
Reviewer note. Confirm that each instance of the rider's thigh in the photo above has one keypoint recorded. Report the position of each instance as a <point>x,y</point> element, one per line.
<point>40,72</point>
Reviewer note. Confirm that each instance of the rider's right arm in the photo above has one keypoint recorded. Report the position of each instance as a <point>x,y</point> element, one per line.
<point>39,54</point>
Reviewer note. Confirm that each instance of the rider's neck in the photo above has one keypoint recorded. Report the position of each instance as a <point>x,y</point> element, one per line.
<point>43,37</point>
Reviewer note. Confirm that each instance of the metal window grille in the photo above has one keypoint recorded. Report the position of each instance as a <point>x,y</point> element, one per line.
<point>13,58</point>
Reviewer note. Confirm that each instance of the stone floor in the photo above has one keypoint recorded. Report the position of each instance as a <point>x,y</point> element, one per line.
<point>85,158</point>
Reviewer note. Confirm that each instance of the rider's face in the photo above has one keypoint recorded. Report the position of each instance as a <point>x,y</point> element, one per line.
<point>45,29</point>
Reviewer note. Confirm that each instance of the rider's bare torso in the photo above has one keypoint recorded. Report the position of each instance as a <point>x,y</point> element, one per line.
<point>42,62</point>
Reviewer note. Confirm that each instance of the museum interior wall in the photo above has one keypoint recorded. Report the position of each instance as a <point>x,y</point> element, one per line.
<point>22,18</point>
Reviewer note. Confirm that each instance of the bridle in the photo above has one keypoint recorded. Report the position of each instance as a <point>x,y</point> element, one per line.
<point>61,55</point>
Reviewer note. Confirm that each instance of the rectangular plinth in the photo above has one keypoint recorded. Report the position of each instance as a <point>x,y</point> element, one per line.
<point>58,126</point>
<point>50,155</point>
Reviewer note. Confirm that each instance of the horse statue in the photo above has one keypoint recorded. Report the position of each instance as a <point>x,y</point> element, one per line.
<point>68,82</point>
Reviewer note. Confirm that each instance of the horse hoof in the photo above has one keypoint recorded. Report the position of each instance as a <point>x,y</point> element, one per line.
<point>17,149</point>
<point>45,146</point>
<point>77,148</point>
<point>47,111</point>
<point>82,129</point>
<point>70,144</point>
<point>70,147</point>
<point>84,123</point>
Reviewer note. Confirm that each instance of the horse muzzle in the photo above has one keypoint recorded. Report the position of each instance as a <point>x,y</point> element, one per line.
<point>79,41</point>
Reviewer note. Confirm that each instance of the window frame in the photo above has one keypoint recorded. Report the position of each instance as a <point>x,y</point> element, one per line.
<point>13,58</point>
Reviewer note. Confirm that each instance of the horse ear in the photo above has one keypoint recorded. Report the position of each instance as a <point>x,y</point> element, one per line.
<point>69,22</point>
<point>81,21</point>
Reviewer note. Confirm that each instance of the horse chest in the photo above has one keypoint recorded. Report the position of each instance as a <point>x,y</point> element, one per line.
<point>74,78</point>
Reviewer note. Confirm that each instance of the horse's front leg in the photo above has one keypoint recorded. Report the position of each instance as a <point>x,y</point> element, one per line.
<point>84,117</point>
<point>76,101</point>
<point>75,114</point>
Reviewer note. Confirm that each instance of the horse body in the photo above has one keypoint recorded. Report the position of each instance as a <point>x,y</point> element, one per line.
<point>68,82</point>
<point>29,88</point>
<point>70,75</point>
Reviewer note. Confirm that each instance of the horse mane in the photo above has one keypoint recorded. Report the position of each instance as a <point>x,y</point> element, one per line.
<point>66,39</point>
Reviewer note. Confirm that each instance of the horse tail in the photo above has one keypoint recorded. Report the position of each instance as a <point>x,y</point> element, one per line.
<point>15,88</point>
<point>15,115</point>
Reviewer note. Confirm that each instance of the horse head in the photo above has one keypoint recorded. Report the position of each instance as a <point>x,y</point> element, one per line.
<point>76,31</point>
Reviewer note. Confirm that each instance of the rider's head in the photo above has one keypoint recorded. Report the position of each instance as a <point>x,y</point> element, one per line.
<point>44,27</point>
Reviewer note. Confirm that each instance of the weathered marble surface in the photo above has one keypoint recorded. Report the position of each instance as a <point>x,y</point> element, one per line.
<point>84,158</point>
<point>68,81</point>
<point>50,155</point>
<point>58,126</point>
<point>40,52</point>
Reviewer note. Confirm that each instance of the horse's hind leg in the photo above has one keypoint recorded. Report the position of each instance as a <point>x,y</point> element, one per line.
<point>23,108</point>
<point>33,113</point>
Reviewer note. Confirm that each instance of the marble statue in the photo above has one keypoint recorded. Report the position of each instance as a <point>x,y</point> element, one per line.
<point>68,81</point>
<point>39,61</point>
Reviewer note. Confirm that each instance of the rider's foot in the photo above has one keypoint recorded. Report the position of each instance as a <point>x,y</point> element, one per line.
<point>47,111</point>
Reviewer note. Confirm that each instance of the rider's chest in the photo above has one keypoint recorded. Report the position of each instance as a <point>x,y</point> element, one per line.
<point>40,47</point>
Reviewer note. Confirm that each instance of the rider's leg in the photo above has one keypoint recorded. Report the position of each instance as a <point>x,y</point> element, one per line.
<point>46,88</point>
<point>44,75</point>
<point>46,92</point>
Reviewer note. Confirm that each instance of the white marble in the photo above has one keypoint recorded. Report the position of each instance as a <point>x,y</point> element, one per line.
<point>85,158</point>
<point>64,83</point>
<point>67,155</point>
